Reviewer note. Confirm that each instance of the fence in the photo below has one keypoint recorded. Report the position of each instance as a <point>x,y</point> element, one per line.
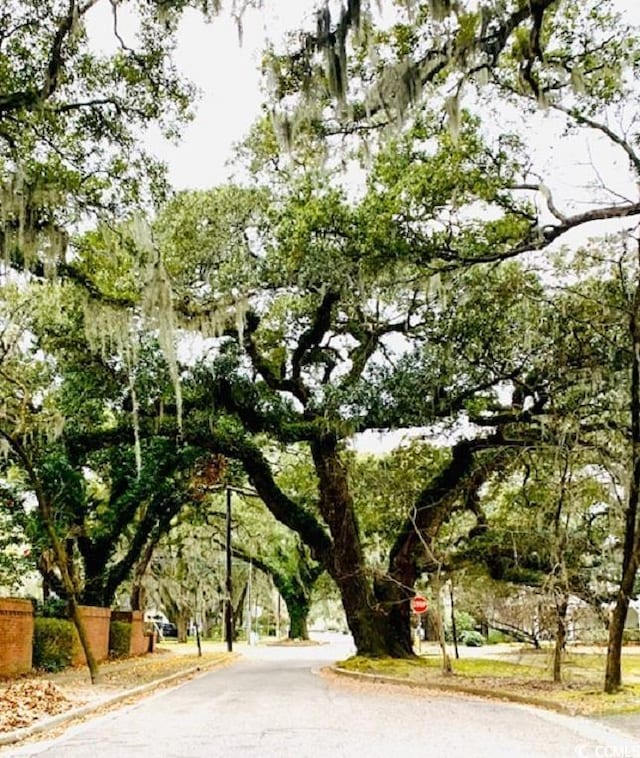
<point>16,635</point>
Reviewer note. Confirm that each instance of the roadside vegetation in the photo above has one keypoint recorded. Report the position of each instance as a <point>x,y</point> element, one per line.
<point>519,674</point>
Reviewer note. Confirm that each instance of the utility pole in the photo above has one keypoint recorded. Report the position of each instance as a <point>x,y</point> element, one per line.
<point>228,608</point>
<point>228,603</point>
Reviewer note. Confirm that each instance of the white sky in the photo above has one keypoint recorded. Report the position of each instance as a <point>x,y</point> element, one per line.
<point>227,74</point>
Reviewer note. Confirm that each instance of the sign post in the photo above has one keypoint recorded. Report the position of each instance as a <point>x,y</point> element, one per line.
<point>419,605</point>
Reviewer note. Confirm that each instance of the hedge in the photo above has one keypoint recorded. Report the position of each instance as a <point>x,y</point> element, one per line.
<point>119,639</point>
<point>52,643</point>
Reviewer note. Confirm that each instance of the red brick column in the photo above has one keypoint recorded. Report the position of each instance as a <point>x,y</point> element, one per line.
<point>16,636</point>
<point>96,622</point>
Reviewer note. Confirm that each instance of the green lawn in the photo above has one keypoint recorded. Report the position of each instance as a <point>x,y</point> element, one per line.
<point>520,673</point>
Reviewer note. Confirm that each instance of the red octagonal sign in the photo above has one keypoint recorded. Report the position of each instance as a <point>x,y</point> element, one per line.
<point>419,604</point>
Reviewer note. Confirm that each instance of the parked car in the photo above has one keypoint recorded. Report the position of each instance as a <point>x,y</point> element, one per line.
<point>168,629</point>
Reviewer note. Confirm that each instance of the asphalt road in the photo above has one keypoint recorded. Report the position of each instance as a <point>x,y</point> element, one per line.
<point>274,702</point>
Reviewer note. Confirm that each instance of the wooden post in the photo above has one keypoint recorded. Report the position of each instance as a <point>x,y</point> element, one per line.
<point>228,608</point>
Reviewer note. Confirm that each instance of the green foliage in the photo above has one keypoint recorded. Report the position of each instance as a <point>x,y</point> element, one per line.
<point>71,116</point>
<point>53,640</point>
<point>53,607</point>
<point>211,240</point>
<point>471,638</point>
<point>119,639</point>
<point>16,557</point>
<point>386,487</point>
<point>464,621</point>
<point>495,637</point>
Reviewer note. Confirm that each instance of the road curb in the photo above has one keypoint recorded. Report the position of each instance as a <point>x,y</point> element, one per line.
<point>18,735</point>
<point>463,689</point>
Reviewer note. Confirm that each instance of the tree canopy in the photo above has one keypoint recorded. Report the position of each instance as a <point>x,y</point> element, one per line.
<point>391,261</point>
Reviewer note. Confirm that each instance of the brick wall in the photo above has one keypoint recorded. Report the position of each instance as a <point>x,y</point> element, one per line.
<point>139,640</point>
<point>16,636</point>
<point>96,622</point>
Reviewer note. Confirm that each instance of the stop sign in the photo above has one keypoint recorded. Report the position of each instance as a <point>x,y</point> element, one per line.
<point>419,604</point>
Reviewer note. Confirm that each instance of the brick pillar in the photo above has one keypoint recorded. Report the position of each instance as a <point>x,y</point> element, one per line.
<point>16,636</point>
<point>96,622</point>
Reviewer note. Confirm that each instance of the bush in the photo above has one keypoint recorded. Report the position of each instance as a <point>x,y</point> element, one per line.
<point>494,637</point>
<point>52,643</point>
<point>119,639</point>
<point>464,623</point>
<point>471,638</point>
<point>631,635</point>
<point>53,608</point>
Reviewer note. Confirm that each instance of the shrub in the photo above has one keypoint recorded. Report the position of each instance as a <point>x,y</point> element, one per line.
<point>119,639</point>
<point>52,643</point>
<point>494,637</point>
<point>631,635</point>
<point>471,638</point>
<point>52,607</point>
<point>464,623</point>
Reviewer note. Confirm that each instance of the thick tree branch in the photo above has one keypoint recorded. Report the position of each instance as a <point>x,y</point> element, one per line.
<point>464,474</point>
<point>617,139</point>
<point>313,336</point>
<point>541,237</point>
<point>285,510</point>
<point>274,381</point>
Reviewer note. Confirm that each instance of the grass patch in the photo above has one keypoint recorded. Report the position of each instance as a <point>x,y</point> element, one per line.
<point>405,668</point>
<point>482,667</point>
<point>525,676</point>
<point>594,702</point>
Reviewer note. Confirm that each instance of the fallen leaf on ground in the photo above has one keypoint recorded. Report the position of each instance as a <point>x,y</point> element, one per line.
<point>22,703</point>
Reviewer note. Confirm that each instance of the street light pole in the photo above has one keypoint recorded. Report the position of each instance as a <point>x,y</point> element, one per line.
<point>228,604</point>
<point>228,608</point>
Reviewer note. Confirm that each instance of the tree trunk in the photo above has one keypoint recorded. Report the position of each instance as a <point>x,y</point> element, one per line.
<point>138,600</point>
<point>61,558</point>
<point>394,596</point>
<point>562,591</point>
<point>298,607</point>
<point>631,545</point>
<point>378,629</point>
<point>137,597</point>
<point>237,618</point>
<point>454,629</point>
<point>298,615</point>
<point>613,670</point>
<point>46,588</point>
<point>181,623</point>
<point>437,617</point>
<point>562,604</point>
<point>411,553</point>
